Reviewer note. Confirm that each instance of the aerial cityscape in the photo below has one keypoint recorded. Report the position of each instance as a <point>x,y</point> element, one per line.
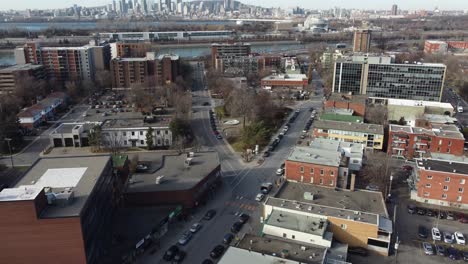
<point>224,131</point>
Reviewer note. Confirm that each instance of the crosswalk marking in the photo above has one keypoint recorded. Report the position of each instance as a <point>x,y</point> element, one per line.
<point>244,206</point>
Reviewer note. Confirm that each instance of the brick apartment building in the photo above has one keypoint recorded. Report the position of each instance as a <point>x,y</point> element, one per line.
<point>442,182</point>
<point>10,77</point>
<point>60,211</point>
<point>357,103</point>
<point>129,49</point>
<point>416,142</point>
<point>362,40</point>
<point>292,81</point>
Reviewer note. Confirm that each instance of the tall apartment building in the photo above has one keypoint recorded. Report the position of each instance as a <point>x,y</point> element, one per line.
<point>394,10</point>
<point>441,182</point>
<point>416,142</point>
<point>221,51</point>
<point>11,76</point>
<point>362,40</point>
<point>371,135</point>
<point>129,49</point>
<point>60,210</point>
<point>382,79</point>
<point>148,70</point>
<point>66,63</point>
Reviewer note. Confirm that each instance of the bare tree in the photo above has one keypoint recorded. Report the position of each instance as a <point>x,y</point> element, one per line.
<point>241,103</point>
<point>376,114</point>
<point>113,141</point>
<point>375,171</point>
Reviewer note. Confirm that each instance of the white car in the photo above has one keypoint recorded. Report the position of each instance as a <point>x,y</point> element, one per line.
<point>459,238</point>
<point>436,234</point>
<point>448,238</point>
<point>280,171</point>
<point>259,197</point>
<point>195,227</point>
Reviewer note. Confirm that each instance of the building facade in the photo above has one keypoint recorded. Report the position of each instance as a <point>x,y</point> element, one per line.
<point>357,103</point>
<point>386,80</point>
<point>362,40</point>
<point>133,71</point>
<point>441,182</point>
<point>12,76</point>
<point>224,51</point>
<point>290,81</point>
<point>442,47</point>
<point>416,142</point>
<point>371,135</point>
<point>129,49</point>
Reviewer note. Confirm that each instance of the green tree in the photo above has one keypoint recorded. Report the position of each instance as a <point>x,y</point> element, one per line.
<point>179,128</point>
<point>256,133</point>
<point>95,137</point>
<point>150,138</point>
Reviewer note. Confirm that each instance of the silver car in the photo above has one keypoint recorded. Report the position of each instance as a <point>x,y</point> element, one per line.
<point>185,238</point>
<point>448,238</point>
<point>428,249</point>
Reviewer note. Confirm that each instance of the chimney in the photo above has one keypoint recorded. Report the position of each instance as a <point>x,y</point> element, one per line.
<point>353,182</point>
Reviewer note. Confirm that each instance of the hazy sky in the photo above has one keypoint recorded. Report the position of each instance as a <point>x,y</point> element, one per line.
<point>319,4</point>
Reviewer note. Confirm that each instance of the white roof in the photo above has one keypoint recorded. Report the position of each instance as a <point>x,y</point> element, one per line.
<point>404,102</point>
<point>235,255</point>
<point>55,178</point>
<point>286,77</point>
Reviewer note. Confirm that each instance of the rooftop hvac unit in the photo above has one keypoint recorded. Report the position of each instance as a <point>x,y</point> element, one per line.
<point>308,196</point>
<point>64,198</point>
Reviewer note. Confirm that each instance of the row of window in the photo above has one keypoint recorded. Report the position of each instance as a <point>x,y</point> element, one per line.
<point>322,171</point>
<point>446,188</point>
<point>447,179</point>
<point>444,196</point>
<point>141,133</point>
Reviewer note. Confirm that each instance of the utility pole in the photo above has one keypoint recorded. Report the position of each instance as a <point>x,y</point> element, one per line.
<point>8,140</point>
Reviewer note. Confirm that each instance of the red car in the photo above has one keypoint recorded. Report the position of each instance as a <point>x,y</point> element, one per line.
<point>463,218</point>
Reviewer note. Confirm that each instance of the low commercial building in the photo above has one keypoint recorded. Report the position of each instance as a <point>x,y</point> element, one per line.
<point>42,111</point>
<point>325,162</point>
<point>370,135</point>
<point>415,142</point>
<point>185,179</point>
<point>443,47</point>
<point>441,182</point>
<point>357,103</point>
<point>293,81</point>
<point>10,77</point>
<point>357,218</point>
<point>411,110</point>
<point>60,210</point>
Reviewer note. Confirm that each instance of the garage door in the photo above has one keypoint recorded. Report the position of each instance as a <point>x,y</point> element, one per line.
<point>58,142</point>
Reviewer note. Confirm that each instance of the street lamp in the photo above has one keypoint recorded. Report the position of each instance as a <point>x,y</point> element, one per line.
<point>8,140</point>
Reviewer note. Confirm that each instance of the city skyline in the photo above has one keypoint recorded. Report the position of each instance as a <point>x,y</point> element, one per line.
<point>365,4</point>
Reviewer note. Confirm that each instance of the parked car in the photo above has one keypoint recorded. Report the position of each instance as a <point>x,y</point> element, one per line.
<point>259,197</point>
<point>448,237</point>
<point>170,253</point>
<point>430,212</point>
<point>243,218</point>
<point>236,227</point>
<point>228,238</point>
<point>266,154</point>
<point>186,236</point>
<point>459,238</point>
<point>358,251</point>
<point>451,216</point>
<point>465,256</point>
<point>280,171</point>
<point>463,218</point>
<point>452,253</point>
<point>411,208</point>
<point>421,211</point>
<point>436,234</point>
<point>219,136</point>
<point>179,257</point>
<point>428,249</point>
<point>195,227</point>
<point>209,214</point>
<point>217,251</point>
<point>442,215</point>
<point>207,261</point>
<point>141,168</point>
<point>422,232</point>
<point>372,187</point>
<point>440,250</point>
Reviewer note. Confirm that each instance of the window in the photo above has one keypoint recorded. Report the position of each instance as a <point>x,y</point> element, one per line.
<point>332,173</point>
<point>445,188</point>
<point>142,142</point>
<point>321,172</point>
<point>141,133</point>
<point>124,134</point>
<point>312,171</point>
<point>447,179</point>
<point>426,194</point>
<point>444,196</point>
<point>158,132</point>
<point>133,133</point>
<point>448,150</point>
<point>462,181</point>
<point>166,132</point>
<point>440,141</point>
<point>460,190</point>
<point>331,182</point>
<point>302,169</point>
<point>343,226</point>
<point>428,185</point>
<point>125,142</point>
<point>293,237</point>
<point>450,143</point>
<point>321,181</point>
<point>429,177</point>
<point>284,235</point>
<point>459,198</point>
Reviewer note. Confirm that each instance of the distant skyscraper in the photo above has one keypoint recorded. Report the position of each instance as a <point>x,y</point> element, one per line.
<point>394,10</point>
<point>168,5</point>
<point>114,6</point>
<point>179,6</point>
<point>362,40</point>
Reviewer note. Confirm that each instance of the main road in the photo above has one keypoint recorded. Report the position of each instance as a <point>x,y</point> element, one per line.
<point>241,182</point>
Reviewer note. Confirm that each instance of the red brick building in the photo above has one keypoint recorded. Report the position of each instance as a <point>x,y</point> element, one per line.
<point>130,49</point>
<point>442,182</point>
<point>357,103</point>
<point>437,46</point>
<point>415,142</point>
<point>294,81</point>
<point>320,167</point>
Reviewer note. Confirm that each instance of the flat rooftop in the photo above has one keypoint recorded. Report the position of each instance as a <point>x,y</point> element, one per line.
<point>21,67</point>
<point>349,126</point>
<point>327,157</point>
<point>78,173</point>
<point>405,102</point>
<point>442,119</point>
<point>236,255</point>
<point>67,128</point>
<point>286,77</point>
<point>324,143</point>
<point>443,166</point>
<point>272,246</point>
<point>445,131</point>
<point>336,116</point>
<point>135,123</point>
<point>297,222</point>
<point>359,205</point>
<point>177,176</point>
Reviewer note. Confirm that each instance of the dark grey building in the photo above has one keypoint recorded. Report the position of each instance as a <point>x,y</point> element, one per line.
<point>387,80</point>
